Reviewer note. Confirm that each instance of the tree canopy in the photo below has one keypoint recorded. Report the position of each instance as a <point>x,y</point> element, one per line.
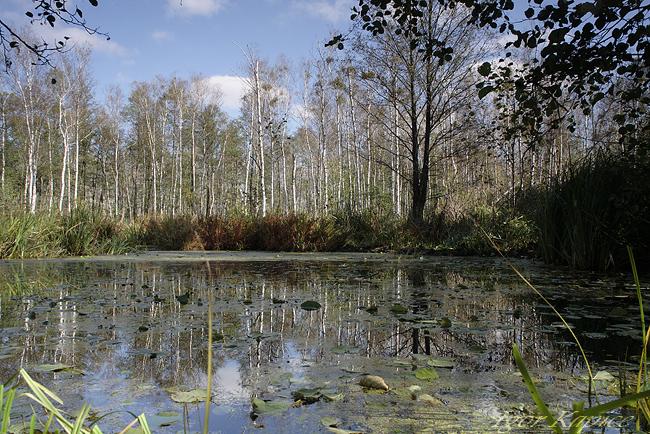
<point>585,51</point>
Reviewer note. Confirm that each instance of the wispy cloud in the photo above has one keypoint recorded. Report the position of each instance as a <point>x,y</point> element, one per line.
<point>79,37</point>
<point>195,7</point>
<point>161,36</point>
<point>229,89</point>
<point>333,11</point>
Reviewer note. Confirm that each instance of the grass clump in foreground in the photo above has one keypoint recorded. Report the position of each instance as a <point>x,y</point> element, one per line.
<point>54,420</point>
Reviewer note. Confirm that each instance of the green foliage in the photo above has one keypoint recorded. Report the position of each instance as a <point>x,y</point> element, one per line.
<point>80,233</point>
<point>47,399</point>
<point>513,233</point>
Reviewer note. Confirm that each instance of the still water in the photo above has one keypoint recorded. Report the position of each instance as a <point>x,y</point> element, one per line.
<point>126,334</point>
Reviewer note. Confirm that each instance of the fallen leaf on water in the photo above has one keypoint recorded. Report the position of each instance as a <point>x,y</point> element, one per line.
<point>333,397</point>
<point>373,382</point>
<point>431,400</point>
<point>57,367</point>
<point>329,421</point>
<point>604,376</point>
<point>342,431</point>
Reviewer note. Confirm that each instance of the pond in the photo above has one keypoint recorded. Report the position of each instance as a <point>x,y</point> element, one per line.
<point>294,333</point>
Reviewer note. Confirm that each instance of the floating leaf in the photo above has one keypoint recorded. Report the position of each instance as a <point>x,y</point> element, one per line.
<point>164,418</point>
<point>440,363</point>
<point>428,399</point>
<point>333,397</point>
<point>604,376</point>
<point>329,421</point>
<point>342,431</point>
<point>269,407</point>
<point>444,323</point>
<point>195,395</point>
<point>398,309</point>
<point>310,305</point>
<point>373,382</point>
<point>57,367</point>
<point>308,396</point>
<point>426,374</point>
<point>183,299</point>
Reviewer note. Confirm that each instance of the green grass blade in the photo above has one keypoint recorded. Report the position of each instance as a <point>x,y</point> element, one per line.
<point>32,424</point>
<point>577,419</point>
<point>613,405</point>
<point>39,394</point>
<point>144,424</point>
<point>50,419</point>
<point>6,414</point>
<point>208,398</point>
<point>539,402</point>
<point>79,423</point>
<point>2,395</point>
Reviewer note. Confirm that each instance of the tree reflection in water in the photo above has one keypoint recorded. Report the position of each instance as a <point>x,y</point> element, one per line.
<point>121,323</point>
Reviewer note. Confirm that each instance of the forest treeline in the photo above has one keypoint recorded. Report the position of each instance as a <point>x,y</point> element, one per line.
<point>373,137</point>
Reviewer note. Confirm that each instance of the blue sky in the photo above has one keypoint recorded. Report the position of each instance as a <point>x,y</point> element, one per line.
<point>163,37</point>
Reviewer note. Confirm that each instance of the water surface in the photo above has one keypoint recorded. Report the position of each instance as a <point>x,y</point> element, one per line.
<point>135,330</point>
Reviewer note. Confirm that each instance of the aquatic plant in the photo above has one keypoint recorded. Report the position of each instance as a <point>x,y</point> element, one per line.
<point>55,417</point>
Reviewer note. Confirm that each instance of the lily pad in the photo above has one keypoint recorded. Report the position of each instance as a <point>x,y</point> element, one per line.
<point>269,407</point>
<point>188,397</point>
<point>440,363</point>
<point>399,309</point>
<point>445,323</point>
<point>426,374</point>
<point>308,396</point>
<point>310,305</point>
<point>164,418</point>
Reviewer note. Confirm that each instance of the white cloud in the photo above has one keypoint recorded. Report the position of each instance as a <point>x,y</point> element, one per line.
<point>229,89</point>
<point>333,11</point>
<point>79,37</point>
<point>161,36</point>
<point>195,7</point>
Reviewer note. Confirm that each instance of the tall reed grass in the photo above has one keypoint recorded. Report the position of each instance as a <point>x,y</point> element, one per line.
<point>84,233</point>
<point>587,218</point>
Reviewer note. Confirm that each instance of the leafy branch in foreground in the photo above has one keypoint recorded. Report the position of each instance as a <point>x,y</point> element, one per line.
<point>45,12</point>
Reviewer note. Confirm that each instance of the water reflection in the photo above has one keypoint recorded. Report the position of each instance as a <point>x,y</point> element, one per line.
<point>138,328</point>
